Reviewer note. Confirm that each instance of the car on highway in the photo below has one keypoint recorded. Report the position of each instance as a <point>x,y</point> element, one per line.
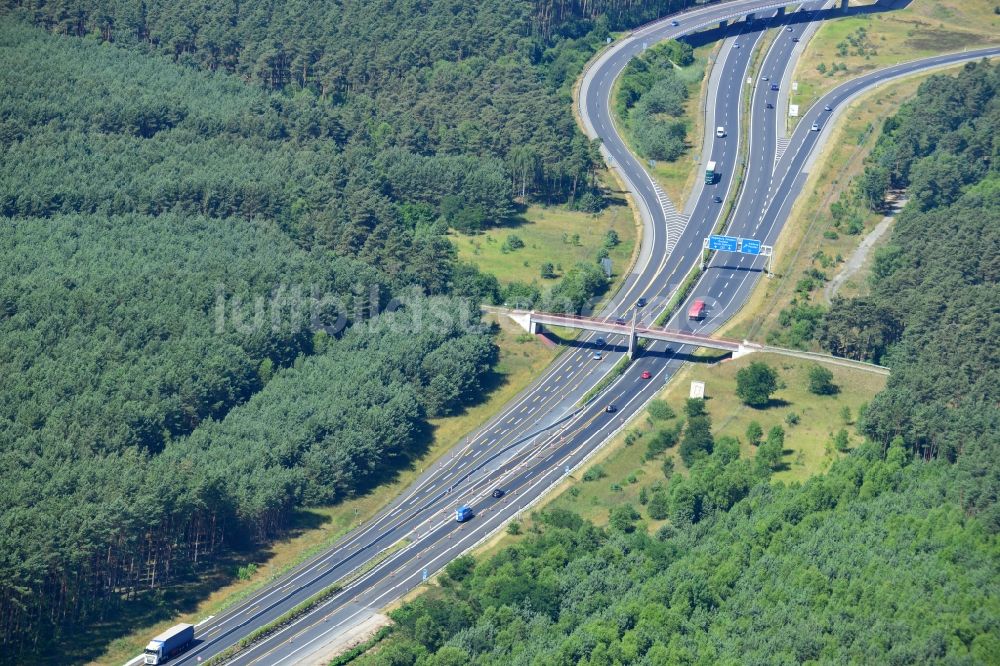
<point>462,514</point>
<point>789,28</point>
<point>795,39</point>
<point>770,106</point>
<point>600,342</point>
<point>620,321</point>
<point>717,199</point>
<point>646,374</point>
<point>674,23</point>
<point>611,409</point>
<point>815,127</point>
<point>641,303</point>
<point>498,493</point>
<point>598,356</point>
<point>774,86</point>
<point>736,45</point>
<point>765,78</point>
<point>720,132</point>
<point>828,108</point>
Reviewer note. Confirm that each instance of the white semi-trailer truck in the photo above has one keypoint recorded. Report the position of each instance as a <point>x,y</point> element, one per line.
<point>169,644</point>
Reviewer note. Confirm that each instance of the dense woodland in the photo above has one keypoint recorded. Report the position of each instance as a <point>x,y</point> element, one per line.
<point>163,163</point>
<point>891,557</point>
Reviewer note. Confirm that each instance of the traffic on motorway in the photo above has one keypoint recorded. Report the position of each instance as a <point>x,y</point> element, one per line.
<point>544,433</point>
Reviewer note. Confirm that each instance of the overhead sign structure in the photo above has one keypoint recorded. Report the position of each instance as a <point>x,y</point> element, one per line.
<point>722,243</point>
<point>749,246</point>
<point>735,244</point>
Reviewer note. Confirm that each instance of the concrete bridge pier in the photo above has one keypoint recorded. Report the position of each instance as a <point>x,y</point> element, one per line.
<point>526,322</point>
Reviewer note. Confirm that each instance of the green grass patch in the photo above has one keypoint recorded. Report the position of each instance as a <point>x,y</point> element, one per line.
<point>551,235</point>
<point>845,48</point>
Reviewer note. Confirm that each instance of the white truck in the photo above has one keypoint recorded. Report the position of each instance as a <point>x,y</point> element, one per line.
<point>169,644</point>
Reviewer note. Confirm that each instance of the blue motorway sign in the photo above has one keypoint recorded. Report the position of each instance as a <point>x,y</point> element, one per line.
<point>724,243</point>
<point>749,246</point>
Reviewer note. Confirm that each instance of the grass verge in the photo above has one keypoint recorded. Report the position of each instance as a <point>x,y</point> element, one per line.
<point>846,48</point>
<point>606,381</point>
<point>361,648</point>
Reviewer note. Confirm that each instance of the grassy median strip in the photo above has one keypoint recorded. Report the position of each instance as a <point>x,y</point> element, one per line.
<point>605,382</point>
<point>679,296</point>
<point>303,608</point>
<point>272,627</point>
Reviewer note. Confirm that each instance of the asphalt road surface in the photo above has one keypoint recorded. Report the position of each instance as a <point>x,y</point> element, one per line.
<point>543,434</point>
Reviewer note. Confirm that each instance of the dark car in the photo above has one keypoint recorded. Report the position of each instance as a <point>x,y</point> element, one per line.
<point>717,199</point>
<point>611,409</point>
<point>774,86</point>
<point>641,303</point>
<point>599,342</point>
<point>770,106</point>
<point>498,493</point>
<point>795,39</point>
<point>620,321</point>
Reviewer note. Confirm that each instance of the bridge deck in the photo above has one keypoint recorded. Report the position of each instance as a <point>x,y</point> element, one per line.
<point>604,326</point>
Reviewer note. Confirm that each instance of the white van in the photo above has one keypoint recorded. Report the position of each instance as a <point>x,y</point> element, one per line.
<point>720,132</point>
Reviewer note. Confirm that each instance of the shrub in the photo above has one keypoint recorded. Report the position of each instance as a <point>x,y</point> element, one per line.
<point>821,381</point>
<point>659,410</point>
<point>755,384</point>
<point>697,442</point>
<point>694,407</point>
<point>668,467</point>
<point>659,506</point>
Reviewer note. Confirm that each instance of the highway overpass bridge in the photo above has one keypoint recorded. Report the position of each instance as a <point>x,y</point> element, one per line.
<point>533,322</point>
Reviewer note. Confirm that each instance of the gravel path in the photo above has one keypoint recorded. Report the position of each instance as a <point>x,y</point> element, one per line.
<point>860,254</point>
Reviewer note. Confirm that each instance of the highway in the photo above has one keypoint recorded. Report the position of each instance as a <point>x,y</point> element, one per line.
<point>542,435</point>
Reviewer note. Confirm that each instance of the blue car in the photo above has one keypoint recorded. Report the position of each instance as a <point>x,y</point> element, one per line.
<point>463,514</point>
